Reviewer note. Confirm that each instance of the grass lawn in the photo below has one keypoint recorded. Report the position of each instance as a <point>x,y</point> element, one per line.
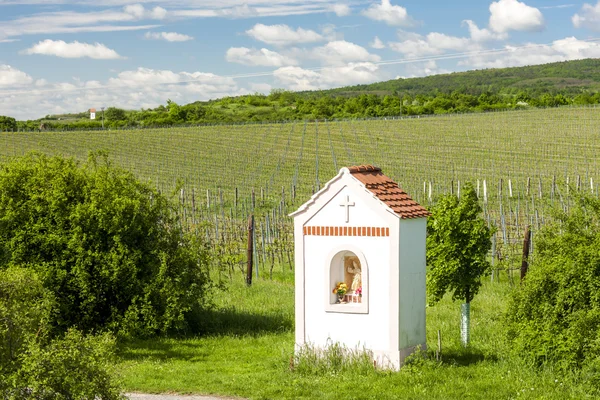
<point>249,340</point>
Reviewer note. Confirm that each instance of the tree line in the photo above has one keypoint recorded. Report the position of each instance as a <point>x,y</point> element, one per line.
<point>281,105</point>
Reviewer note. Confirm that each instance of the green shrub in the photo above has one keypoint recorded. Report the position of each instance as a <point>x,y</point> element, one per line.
<point>71,367</point>
<point>24,309</point>
<point>33,365</point>
<point>108,247</point>
<point>554,317</point>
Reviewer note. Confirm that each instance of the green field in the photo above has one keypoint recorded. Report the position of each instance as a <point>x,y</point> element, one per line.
<point>521,161</point>
<point>247,348</point>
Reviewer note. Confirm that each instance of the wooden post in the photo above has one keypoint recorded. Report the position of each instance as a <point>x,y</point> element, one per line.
<point>526,241</point>
<point>250,250</point>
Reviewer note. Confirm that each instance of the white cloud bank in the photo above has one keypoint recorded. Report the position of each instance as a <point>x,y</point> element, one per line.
<point>341,10</point>
<point>513,15</point>
<point>341,52</point>
<point>283,35</point>
<point>296,78</point>
<point>10,76</point>
<point>168,36</point>
<point>566,49</point>
<point>254,57</point>
<point>588,17</point>
<point>60,48</point>
<point>23,98</point>
<point>388,13</point>
<point>377,43</point>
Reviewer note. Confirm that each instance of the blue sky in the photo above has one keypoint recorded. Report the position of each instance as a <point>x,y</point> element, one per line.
<point>69,56</point>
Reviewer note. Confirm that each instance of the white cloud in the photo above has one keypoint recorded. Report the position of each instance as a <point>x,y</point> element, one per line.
<point>282,35</point>
<point>254,57</point>
<point>483,34</point>
<point>133,89</point>
<point>263,88</point>
<point>168,36</point>
<point>139,12</point>
<point>388,13</point>
<point>70,22</point>
<point>433,44</point>
<point>10,76</point>
<point>423,69</point>
<point>296,78</point>
<point>341,10</point>
<point>377,43</point>
<point>124,18</point>
<point>588,17</point>
<point>75,49</point>
<point>341,52</point>
<point>507,15</point>
<point>569,48</point>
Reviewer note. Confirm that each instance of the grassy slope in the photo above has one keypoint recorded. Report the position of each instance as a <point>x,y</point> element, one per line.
<point>248,349</point>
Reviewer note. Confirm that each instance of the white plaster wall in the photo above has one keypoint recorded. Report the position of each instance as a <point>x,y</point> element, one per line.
<point>332,214</point>
<point>369,330</point>
<point>412,282</point>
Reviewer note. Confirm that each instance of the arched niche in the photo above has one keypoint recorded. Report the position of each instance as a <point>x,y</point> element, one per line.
<point>348,265</point>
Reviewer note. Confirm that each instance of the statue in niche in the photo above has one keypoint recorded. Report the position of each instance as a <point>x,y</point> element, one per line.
<point>357,279</point>
<point>353,275</point>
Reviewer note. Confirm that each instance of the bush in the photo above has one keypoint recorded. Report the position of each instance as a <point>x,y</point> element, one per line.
<point>555,316</point>
<point>32,365</point>
<point>24,308</point>
<point>108,247</point>
<point>72,367</point>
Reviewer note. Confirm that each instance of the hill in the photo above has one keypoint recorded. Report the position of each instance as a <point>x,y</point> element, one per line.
<point>549,85</point>
<point>569,78</point>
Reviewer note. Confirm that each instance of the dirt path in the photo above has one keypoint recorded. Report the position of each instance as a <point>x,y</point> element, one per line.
<point>145,396</point>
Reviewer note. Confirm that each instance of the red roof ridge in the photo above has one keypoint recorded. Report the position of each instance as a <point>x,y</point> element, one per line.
<point>363,168</point>
<point>388,191</point>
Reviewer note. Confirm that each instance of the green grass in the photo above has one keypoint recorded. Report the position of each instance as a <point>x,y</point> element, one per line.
<point>249,341</point>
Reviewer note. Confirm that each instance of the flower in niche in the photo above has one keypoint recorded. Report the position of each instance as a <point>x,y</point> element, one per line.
<point>340,289</point>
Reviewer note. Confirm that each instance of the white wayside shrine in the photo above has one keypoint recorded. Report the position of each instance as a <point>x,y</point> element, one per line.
<point>360,266</point>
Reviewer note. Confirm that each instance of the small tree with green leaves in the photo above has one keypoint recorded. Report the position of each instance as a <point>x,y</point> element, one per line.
<point>457,245</point>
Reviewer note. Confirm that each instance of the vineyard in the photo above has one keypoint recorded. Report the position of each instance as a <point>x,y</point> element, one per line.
<point>521,163</point>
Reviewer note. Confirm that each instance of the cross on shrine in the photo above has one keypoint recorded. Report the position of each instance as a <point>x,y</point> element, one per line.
<point>347,204</point>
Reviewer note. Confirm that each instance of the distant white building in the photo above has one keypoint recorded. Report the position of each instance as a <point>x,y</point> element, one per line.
<point>92,113</point>
<point>361,230</point>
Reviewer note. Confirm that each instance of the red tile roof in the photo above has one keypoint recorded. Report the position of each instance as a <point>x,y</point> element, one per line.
<point>388,191</point>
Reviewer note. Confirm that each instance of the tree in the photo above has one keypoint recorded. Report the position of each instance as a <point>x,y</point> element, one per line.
<point>7,124</point>
<point>115,114</point>
<point>554,316</point>
<point>108,247</point>
<point>457,245</point>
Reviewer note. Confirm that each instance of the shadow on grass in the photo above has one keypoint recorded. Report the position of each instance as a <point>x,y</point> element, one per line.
<point>466,357</point>
<point>161,349</point>
<point>235,322</point>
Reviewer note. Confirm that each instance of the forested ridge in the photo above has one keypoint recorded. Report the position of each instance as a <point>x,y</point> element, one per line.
<point>549,85</point>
